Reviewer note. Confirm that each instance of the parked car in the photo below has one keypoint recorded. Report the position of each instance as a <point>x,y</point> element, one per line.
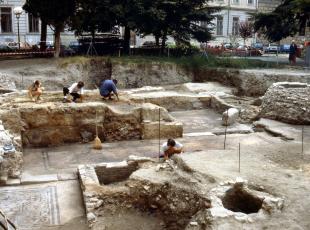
<point>258,45</point>
<point>228,46</point>
<point>285,48</point>
<point>13,45</point>
<point>247,51</point>
<point>49,44</point>
<point>66,51</point>
<point>272,48</point>
<point>148,44</point>
<point>4,48</point>
<point>75,45</point>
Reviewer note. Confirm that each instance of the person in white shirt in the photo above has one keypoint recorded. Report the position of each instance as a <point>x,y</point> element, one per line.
<point>76,90</point>
<point>170,148</point>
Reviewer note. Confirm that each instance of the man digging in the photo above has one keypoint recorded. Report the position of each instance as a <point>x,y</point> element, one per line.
<point>170,148</point>
<point>108,89</point>
<point>76,90</point>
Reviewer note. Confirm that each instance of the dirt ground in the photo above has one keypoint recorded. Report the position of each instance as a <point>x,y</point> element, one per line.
<point>55,202</point>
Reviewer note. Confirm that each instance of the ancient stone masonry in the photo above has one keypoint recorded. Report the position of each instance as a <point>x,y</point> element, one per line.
<point>237,204</point>
<point>181,197</point>
<point>55,124</point>
<point>287,102</point>
<point>6,85</point>
<point>250,82</point>
<point>10,158</point>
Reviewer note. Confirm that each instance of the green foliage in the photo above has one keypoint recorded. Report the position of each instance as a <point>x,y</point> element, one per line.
<point>199,62</point>
<point>286,20</point>
<point>161,18</point>
<point>92,16</point>
<point>181,19</point>
<point>177,18</point>
<point>53,12</point>
<point>191,63</point>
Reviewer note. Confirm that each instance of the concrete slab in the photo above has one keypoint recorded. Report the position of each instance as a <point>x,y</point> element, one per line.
<point>213,88</point>
<point>37,179</point>
<point>287,131</point>
<point>67,176</point>
<point>207,120</point>
<point>198,134</point>
<point>12,182</point>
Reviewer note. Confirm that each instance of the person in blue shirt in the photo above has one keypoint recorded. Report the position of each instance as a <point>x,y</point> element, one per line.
<point>108,88</point>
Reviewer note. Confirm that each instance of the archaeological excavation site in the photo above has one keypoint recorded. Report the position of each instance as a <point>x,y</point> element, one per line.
<point>244,163</point>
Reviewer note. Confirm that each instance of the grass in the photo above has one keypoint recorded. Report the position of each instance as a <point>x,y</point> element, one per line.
<point>190,63</point>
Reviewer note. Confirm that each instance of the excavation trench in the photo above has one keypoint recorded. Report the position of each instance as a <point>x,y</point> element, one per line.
<point>239,200</point>
<point>44,126</point>
<point>132,187</point>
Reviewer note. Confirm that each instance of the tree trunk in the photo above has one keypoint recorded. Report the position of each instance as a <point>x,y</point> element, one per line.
<point>163,43</point>
<point>127,40</point>
<point>57,41</point>
<point>43,36</point>
<point>157,40</point>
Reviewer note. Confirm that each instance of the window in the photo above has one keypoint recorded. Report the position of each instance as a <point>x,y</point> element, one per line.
<point>219,25</point>
<point>250,2</point>
<point>33,23</point>
<point>6,20</point>
<point>235,1</point>
<point>235,26</point>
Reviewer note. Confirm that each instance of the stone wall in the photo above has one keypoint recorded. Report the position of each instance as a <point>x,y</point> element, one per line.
<point>115,172</point>
<point>55,125</point>
<point>288,102</point>
<point>251,82</point>
<point>10,161</point>
<point>133,75</point>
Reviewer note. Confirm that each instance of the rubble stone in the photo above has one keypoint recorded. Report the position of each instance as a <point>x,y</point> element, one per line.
<point>288,102</point>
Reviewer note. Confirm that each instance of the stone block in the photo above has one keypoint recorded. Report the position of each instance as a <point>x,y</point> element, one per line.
<point>87,175</point>
<point>12,182</point>
<point>219,105</point>
<point>151,112</point>
<point>230,116</point>
<point>150,130</point>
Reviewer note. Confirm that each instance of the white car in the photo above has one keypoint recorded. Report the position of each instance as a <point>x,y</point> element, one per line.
<point>272,48</point>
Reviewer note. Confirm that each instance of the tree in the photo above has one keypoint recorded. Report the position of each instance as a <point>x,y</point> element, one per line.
<point>245,30</point>
<point>92,16</point>
<point>127,13</point>
<point>53,12</point>
<point>180,19</point>
<point>286,20</point>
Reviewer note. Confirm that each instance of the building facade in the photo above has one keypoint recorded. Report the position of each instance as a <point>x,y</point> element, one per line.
<point>29,26</point>
<point>266,6</point>
<point>227,21</point>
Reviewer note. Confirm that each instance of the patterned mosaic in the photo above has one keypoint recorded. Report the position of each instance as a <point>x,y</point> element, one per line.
<point>31,208</point>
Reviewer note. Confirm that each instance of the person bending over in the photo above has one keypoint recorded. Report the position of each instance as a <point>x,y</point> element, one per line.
<point>108,88</point>
<point>170,148</point>
<point>35,90</point>
<point>76,90</point>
